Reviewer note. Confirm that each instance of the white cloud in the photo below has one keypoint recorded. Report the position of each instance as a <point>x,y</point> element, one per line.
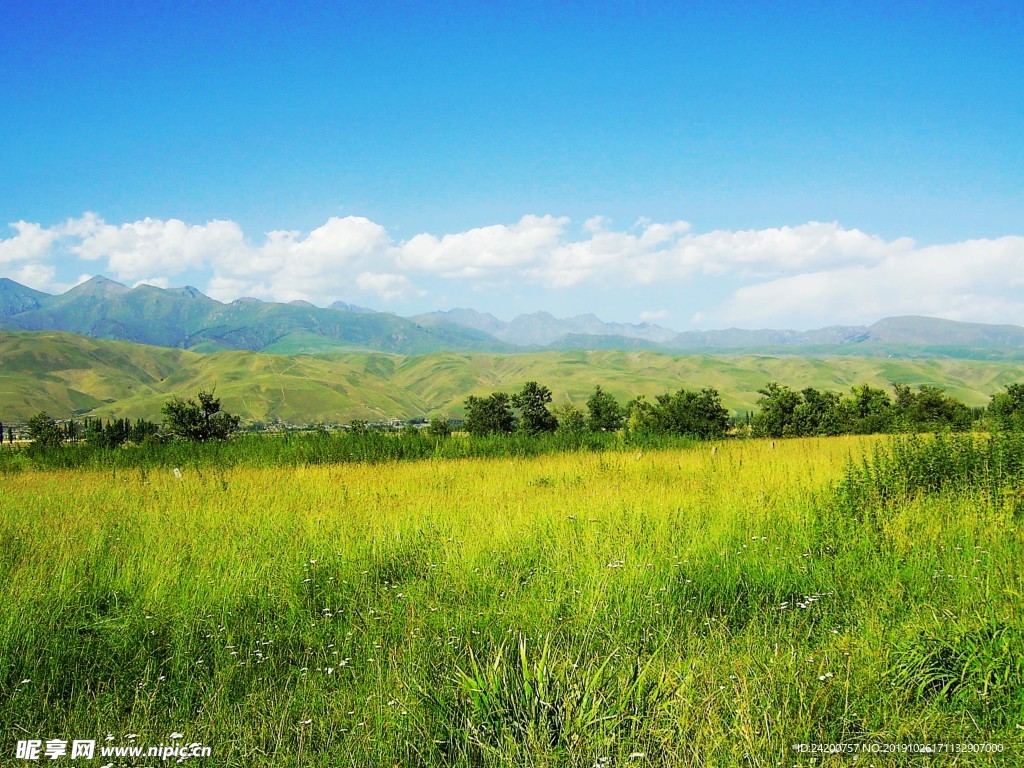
<point>31,243</point>
<point>801,276</point>
<point>156,282</point>
<point>42,277</point>
<point>388,286</point>
<point>477,252</point>
<point>764,252</point>
<point>170,246</point>
<point>973,280</point>
<point>321,267</point>
<point>654,316</point>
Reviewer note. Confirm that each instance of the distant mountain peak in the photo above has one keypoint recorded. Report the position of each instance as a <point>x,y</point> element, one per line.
<point>341,306</point>
<point>98,286</point>
<point>190,292</point>
<point>15,297</point>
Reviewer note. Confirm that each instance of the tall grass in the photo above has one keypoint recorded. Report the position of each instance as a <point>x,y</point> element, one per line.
<point>313,448</point>
<point>908,467</point>
<point>655,608</point>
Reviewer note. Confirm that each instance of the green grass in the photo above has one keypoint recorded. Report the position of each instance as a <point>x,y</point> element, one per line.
<point>291,449</point>
<point>654,608</point>
<point>64,374</point>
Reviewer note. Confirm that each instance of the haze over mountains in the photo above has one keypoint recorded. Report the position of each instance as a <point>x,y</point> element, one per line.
<point>184,318</point>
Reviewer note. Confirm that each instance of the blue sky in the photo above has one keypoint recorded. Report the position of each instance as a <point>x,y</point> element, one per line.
<point>832,162</point>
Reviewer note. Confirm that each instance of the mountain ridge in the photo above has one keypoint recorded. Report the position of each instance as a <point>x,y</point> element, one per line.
<point>185,318</point>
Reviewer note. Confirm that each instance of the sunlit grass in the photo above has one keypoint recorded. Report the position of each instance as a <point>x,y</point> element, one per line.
<point>679,607</point>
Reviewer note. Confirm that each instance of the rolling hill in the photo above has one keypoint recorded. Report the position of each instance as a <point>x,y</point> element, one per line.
<point>67,374</point>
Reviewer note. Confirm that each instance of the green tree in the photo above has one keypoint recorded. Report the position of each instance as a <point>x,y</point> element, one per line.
<point>43,431</point>
<point>358,427</point>
<point>198,420</point>
<point>641,418</point>
<point>929,410</point>
<point>532,402</point>
<point>439,427</point>
<point>489,415</point>
<point>571,420</point>
<point>686,412</point>
<point>871,409</point>
<point>820,413</point>
<point>697,414</point>
<point>1006,409</point>
<point>605,413</point>
<point>777,406</point>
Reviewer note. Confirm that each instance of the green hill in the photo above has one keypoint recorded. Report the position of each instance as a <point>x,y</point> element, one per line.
<point>65,374</point>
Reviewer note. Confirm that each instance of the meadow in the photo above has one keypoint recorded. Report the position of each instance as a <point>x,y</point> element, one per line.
<point>702,606</point>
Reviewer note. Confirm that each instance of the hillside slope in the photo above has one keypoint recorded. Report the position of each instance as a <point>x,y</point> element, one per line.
<point>66,374</point>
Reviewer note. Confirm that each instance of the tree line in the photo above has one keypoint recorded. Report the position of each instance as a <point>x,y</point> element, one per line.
<point>696,414</point>
<point>195,420</point>
<point>781,412</point>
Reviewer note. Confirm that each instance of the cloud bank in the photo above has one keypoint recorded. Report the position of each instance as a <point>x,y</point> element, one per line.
<point>800,276</point>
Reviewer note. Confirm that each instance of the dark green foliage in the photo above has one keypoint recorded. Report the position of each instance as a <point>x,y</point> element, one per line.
<point>787,413</point>
<point>777,417</point>
<point>491,415</point>
<point>198,421</point>
<point>928,410</point>
<point>871,409</point>
<point>821,413</point>
<point>117,432</point>
<point>604,412</point>
<point>694,414</point>
<point>571,420</point>
<point>439,427</point>
<point>532,402</point>
<point>43,431</point>
<point>1006,409</point>
<point>910,466</point>
<point>974,662</point>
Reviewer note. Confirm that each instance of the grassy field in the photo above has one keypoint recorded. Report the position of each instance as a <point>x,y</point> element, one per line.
<point>65,374</point>
<point>702,607</point>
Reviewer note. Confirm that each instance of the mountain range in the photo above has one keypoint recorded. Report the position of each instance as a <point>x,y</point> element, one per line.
<point>184,318</point>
